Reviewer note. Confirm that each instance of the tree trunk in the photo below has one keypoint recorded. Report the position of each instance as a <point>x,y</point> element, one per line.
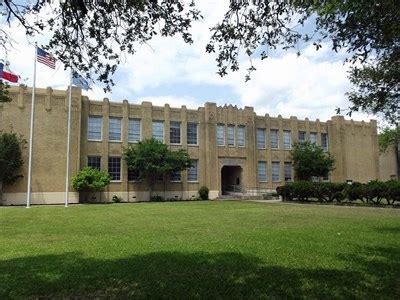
<point>1,192</point>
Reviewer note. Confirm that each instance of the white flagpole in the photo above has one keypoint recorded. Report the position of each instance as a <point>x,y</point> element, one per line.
<point>68,140</point>
<point>28,191</point>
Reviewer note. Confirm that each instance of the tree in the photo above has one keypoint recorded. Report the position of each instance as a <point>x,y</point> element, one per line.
<point>10,158</point>
<point>4,92</point>
<point>152,159</point>
<point>390,137</point>
<point>90,180</point>
<point>310,160</point>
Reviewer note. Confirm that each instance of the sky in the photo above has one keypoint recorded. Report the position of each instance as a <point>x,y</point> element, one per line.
<point>169,71</point>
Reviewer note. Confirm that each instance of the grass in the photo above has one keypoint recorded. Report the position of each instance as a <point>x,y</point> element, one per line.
<point>200,250</point>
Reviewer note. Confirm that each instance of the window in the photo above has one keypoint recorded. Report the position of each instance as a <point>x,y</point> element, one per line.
<point>274,139</point>
<point>134,130</point>
<point>192,134</point>
<point>231,135</point>
<point>262,171</point>
<point>324,141</point>
<point>175,176</point>
<point>326,178</point>
<point>313,137</point>
<point>287,140</point>
<point>158,131</point>
<point>114,131</point>
<point>94,128</point>
<point>175,133</point>
<point>260,138</point>
<point>114,168</point>
<point>288,171</point>
<point>276,171</point>
<point>241,136</point>
<point>94,162</point>
<point>133,175</point>
<point>302,136</point>
<point>220,134</point>
<point>192,171</point>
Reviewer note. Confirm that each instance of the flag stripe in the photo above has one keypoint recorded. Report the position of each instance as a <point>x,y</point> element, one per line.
<point>45,58</point>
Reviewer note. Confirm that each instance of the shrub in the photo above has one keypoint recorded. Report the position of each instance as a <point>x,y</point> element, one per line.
<point>116,199</point>
<point>90,180</point>
<point>156,198</point>
<point>286,191</point>
<point>374,191</point>
<point>303,190</point>
<point>354,191</point>
<point>329,191</point>
<point>392,192</point>
<point>203,192</point>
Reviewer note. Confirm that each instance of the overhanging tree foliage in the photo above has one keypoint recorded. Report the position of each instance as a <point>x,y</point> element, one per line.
<point>310,160</point>
<point>390,137</point>
<point>152,159</point>
<point>4,92</point>
<point>10,158</point>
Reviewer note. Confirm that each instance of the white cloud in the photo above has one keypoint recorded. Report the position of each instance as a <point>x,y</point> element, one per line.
<point>311,85</point>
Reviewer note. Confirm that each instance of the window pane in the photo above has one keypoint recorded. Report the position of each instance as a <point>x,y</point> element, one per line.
<point>158,131</point>
<point>175,133</point>
<point>94,162</point>
<point>287,140</point>
<point>262,171</point>
<point>288,171</point>
<point>302,136</point>
<point>241,136</point>
<point>324,141</point>
<point>220,135</point>
<point>260,138</point>
<point>192,134</point>
<point>175,176</point>
<point>114,132</point>
<point>192,171</point>
<point>94,128</point>
<point>275,171</point>
<point>313,137</point>
<point>274,139</point>
<point>133,175</point>
<point>231,135</point>
<point>134,130</point>
<point>114,167</point>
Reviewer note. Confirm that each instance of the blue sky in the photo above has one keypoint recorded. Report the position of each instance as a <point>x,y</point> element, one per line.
<point>170,71</point>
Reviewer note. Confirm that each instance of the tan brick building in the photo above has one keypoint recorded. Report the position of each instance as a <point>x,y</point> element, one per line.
<point>233,148</point>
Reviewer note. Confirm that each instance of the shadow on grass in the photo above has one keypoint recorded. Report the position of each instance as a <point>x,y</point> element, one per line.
<point>193,275</point>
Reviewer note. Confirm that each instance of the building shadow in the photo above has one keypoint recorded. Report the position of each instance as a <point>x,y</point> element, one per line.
<point>195,275</point>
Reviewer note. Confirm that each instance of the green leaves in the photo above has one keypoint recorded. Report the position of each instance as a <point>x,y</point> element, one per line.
<point>90,180</point>
<point>310,160</point>
<point>10,156</point>
<point>4,92</point>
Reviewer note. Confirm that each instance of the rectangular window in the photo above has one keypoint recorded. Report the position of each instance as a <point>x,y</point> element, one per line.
<point>192,133</point>
<point>192,171</point>
<point>94,162</point>
<point>313,137</point>
<point>114,129</point>
<point>114,168</point>
<point>241,136</point>
<point>288,171</point>
<point>220,134</point>
<point>276,171</point>
<point>133,175</point>
<point>158,131</point>
<point>261,138</point>
<point>302,136</point>
<point>231,135</point>
<point>326,178</point>
<point>274,139</point>
<point>95,128</point>
<point>262,171</point>
<point>287,140</point>
<point>175,176</point>
<point>324,141</point>
<point>175,132</point>
<point>134,130</point>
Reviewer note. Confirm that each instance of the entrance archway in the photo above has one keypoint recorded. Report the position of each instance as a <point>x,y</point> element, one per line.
<point>231,179</point>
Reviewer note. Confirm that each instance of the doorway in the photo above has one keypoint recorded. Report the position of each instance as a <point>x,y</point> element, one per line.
<point>231,179</point>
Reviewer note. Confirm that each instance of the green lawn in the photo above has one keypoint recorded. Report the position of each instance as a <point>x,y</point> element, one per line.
<point>200,250</point>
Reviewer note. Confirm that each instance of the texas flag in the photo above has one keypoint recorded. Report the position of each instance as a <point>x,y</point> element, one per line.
<point>6,74</point>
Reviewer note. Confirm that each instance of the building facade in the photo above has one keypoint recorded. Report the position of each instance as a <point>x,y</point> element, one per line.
<point>233,149</point>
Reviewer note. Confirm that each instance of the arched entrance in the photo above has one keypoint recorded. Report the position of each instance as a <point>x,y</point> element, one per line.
<point>231,179</point>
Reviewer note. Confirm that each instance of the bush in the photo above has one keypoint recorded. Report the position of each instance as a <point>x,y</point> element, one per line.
<point>392,192</point>
<point>374,191</point>
<point>329,191</point>
<point>286,191</point>
<point>303,190</point>
<point>156,198</point>
<point>203,192</point>
<point>90,180</point>
<point>116,199</point>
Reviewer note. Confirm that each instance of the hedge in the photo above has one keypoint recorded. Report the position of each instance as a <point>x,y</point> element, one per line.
<point>373,192</point>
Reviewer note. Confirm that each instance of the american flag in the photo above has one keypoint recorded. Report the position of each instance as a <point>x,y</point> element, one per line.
<point>46,58</point>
